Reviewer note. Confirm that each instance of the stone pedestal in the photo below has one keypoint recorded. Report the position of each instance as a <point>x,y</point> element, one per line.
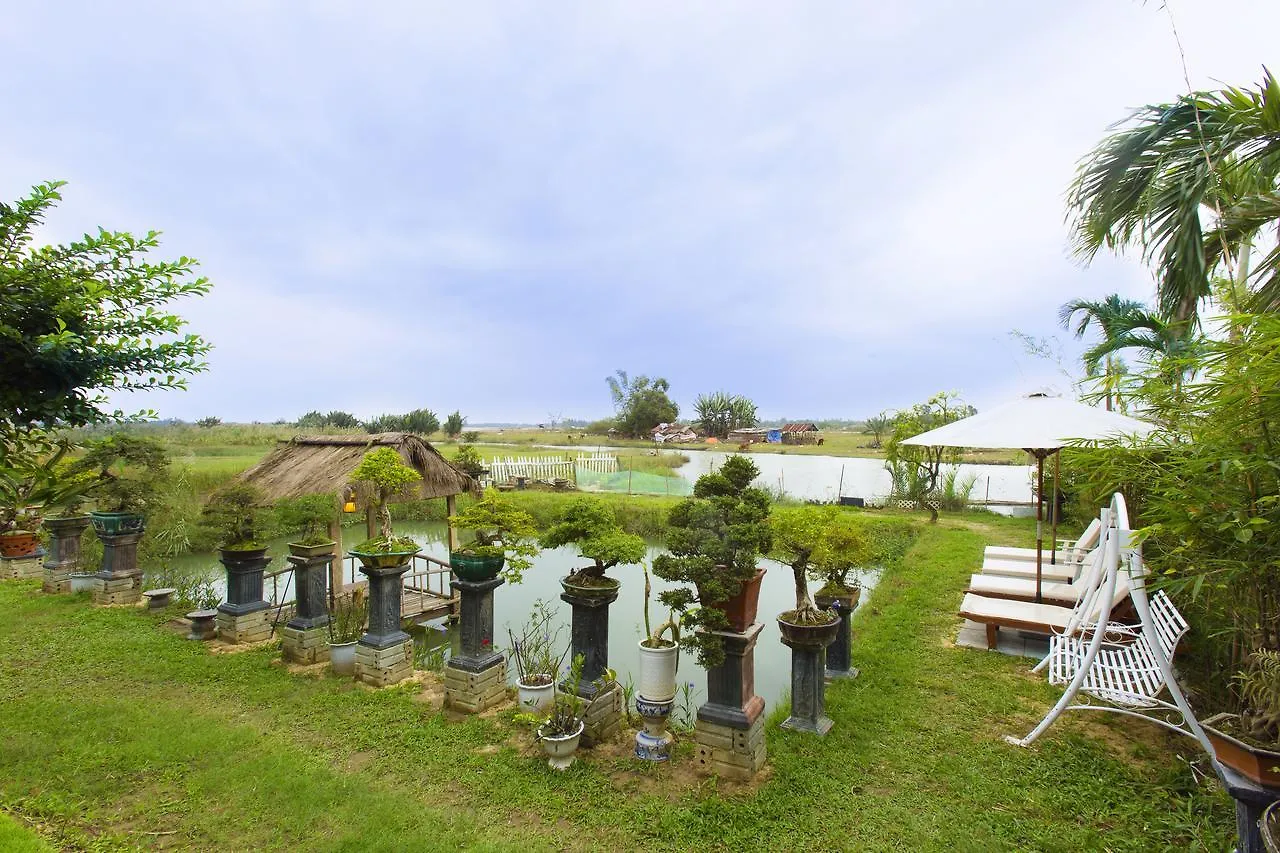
<point>839,664</point>
<point>604,717</point>
<point>1251,799</point>
<point>25,567</point>
<point>243,617</point>
<point>384,654</point>
<point>64,551</point>
<point>590,637</point>
<point>808,670</point>
<point>473,692</point>
<point>120,580</point>
<point>379,666</point>
<point>305,637</point>
<point>203,626</point>
<point>251,627</point>
<point>476,677</point>
<point>730,726</point>
<point>730,752</point>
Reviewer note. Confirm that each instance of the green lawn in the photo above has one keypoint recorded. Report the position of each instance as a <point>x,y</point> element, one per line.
<point>119,734</point>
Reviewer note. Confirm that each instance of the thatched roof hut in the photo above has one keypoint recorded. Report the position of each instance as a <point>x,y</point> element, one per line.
<point>322,464</point>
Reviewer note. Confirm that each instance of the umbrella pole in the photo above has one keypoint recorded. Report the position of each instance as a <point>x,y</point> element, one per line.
<point>1057,469</point>
<point>1039,519</point>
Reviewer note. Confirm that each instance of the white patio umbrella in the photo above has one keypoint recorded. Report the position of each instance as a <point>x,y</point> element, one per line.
<point>1040,424</point>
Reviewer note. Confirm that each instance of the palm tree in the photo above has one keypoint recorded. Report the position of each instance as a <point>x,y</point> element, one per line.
<point>1128,324</point>
<point>1147,185</point>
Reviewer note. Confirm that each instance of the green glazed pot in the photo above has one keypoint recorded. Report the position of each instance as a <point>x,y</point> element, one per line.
<point>116,523</point>
<point>475,568</point>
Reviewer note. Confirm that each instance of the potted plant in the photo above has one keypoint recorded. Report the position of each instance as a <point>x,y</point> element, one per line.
<point>502,540</point>
<point>34,479</point>
<point>594,528</point>
<point>236,516</point>
<point>537,664</point>
<point>659,656</point>
<point>1249,742</point>
<point>386,476</point>
<point>715,538</point>
<point>129,472</point>
<point>310,516</point>
<point>469,461</point>
<point>561,730</point>
<point>346,624</point>
<point>800,539</point>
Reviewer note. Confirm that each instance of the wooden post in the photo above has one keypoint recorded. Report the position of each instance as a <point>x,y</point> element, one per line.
<point>450,509</point>
<point>370,522</point>
<point>336,582</point>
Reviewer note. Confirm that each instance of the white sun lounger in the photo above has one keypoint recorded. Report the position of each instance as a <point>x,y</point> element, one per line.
<point>1024,589</point>
<point>1062,572</point>
<point>1068,550</point>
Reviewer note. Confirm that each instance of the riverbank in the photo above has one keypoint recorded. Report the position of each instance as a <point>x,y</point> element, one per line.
<point>122,735</point>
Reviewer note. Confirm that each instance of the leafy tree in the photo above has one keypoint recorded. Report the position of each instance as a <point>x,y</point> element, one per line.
<point>877,425</point>
<point>341,420</point>
<point>641,403</point>
<point>916,471</point>
<point>453,424</point>
<point>85,319</point>
<point>311,420</point>
<point>720,413</point>
<point>1147,186</point>
<point>209,422</point>
<point>387,476</point>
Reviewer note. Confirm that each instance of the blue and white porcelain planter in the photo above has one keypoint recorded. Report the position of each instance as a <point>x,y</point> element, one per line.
<point>653,743</point>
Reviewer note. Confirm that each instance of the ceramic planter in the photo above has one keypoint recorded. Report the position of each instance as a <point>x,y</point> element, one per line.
<point>310,551</point>
<point>342,658</point>
<point>808,636</point>
<point>475,567</point>
<point>657,681</point>
<point>537,694</point>
<point>741,608</point>
<point>653,742</point>
<point>384,559</point>
<point>603,588</point>
<point>561,750</point>
<point>19,543</point>
<point>81,583</point>
<point>1260,765</point>
<point>116,523</point>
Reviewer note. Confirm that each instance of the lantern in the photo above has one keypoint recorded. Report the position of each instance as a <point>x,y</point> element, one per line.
<point>348,499</point>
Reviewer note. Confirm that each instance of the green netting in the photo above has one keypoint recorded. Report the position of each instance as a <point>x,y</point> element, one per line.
<point>633,482</point>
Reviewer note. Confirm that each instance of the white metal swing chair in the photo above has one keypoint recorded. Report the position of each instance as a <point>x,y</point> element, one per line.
<point>1109,666</point>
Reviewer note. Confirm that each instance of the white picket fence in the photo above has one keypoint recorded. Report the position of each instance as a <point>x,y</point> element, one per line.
<point>599,462</point>
<point>550,467</point>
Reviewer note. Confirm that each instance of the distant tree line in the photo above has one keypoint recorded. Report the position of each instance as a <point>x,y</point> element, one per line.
<point>420,421</point>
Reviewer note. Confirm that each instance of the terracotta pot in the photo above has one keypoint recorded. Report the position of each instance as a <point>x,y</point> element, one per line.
<point>19,543</point>
<point>474,567</point>
<point>808,636</point>
<point>1260,765</point>
<point>741,609</point>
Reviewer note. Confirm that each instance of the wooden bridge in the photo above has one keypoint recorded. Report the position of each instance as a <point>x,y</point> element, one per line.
<point>427,594</point>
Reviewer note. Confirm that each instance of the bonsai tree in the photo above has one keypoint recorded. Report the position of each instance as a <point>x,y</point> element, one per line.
<point>715,538</point>
<point>594,528</point>
<point>817,541</point>
<point>385,473</point>
<point>129,472</point>
<point>236,515</point>
<point>499,529</point>
<point>36,478</point>
<point>469,461</point>
<point>309,516</point>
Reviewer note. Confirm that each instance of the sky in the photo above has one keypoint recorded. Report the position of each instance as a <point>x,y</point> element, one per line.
<point>832,208</point>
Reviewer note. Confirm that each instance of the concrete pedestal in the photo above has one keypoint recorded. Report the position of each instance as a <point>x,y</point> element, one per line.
<point>304,645</point>
<point>476,677</point>
<point>24,567</point>
<point>808,682</point>
<point>251,627</point>
<point>589,637</point>
<point>305,638</point>
<point>64,551</point>
<point>730,726</point>
<point>381,666</point>
<point>839,663</point>
<point>604,717</point>
<point>729,752</point>
<point>473,692</point>
<point>120,580</point>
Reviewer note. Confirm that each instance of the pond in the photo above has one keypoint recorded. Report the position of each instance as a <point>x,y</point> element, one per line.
<point>512,605</point>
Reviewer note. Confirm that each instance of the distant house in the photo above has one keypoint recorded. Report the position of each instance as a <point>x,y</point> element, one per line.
<point>801,433</point>
<point>673,434</point>
<point>749,435</point>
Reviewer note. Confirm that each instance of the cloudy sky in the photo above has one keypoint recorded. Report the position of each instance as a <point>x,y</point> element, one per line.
<point>834,208</point>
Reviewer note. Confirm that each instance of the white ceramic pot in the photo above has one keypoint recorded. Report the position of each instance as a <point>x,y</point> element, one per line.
<point>562,750</point>
<point>657,681</point>
<point>82,583</point>
<point>342,658</point>
<point>536,698</point>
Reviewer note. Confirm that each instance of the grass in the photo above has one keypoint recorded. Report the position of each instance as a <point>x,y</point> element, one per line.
<point>119,734</point>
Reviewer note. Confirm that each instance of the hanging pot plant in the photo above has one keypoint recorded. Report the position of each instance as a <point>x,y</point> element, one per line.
<point>502,542</point>
<point>594,528</point>
<point>387,476</point>
<point>715,539</point>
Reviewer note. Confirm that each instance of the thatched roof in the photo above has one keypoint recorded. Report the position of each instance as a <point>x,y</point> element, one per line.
<point>322,464</point>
